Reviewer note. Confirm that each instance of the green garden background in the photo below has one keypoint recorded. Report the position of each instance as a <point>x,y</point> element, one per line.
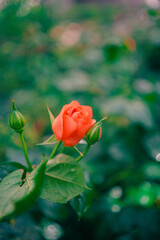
<point>104,56</point>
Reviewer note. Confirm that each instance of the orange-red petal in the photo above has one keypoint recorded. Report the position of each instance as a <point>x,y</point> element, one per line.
<point>57,125</point>
<point>78,134</point>
<point>69,126</point>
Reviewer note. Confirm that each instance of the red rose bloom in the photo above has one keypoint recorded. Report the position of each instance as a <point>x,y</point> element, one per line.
<point>73,122</point>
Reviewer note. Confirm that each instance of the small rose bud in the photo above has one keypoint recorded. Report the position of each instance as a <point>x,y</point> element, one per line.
<point>16,119</point>
<point>94,134</point>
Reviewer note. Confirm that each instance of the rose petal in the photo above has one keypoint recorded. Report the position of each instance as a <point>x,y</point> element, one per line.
<point>87,111</point>
<point>72,123</point>
<point>57,125</point>
<point>93,121</point>
<point>69,126</point>
<point>74,104</point>
<point>78,134</point>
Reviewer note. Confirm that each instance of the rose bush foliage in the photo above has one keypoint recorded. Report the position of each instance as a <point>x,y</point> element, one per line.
<point>59,177</point>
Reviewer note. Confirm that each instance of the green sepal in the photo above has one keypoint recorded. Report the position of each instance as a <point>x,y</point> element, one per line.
<point>51,117</point>
<point>16,196</point>
<point>100,121</point>
<point>50,140</point>
<point>63,179</point>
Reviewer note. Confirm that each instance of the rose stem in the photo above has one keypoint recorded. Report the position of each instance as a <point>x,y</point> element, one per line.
<point>84,153</point>
<point>63,147</point>
<point>25,151</point>
<point>55,150</point>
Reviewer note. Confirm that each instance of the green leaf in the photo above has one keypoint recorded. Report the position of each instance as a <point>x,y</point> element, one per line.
<point>12,166</point>
<point>82,202</point>
<point>50,140</point>
<point>15,198</point>
<point>50,115</point>
<point>63,179</point>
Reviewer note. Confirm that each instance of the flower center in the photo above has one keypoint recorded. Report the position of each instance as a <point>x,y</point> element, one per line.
<point>76,114</point>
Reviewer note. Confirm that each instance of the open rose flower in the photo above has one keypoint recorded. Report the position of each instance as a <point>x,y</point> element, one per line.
<point>72,123</point>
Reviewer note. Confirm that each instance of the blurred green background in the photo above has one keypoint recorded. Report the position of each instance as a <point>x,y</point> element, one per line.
<point>105,56</point>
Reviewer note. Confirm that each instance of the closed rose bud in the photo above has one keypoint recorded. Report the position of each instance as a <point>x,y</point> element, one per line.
<point>16,119</point>
<point>94,134</point>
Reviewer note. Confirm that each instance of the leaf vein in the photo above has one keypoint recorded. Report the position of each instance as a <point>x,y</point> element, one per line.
<point>66,180</point>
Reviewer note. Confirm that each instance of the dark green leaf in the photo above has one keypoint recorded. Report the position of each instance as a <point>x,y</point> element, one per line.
<point>82,202</point>
<point>12,166</point>
<point>63,179</point>
<point>15,197</point>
